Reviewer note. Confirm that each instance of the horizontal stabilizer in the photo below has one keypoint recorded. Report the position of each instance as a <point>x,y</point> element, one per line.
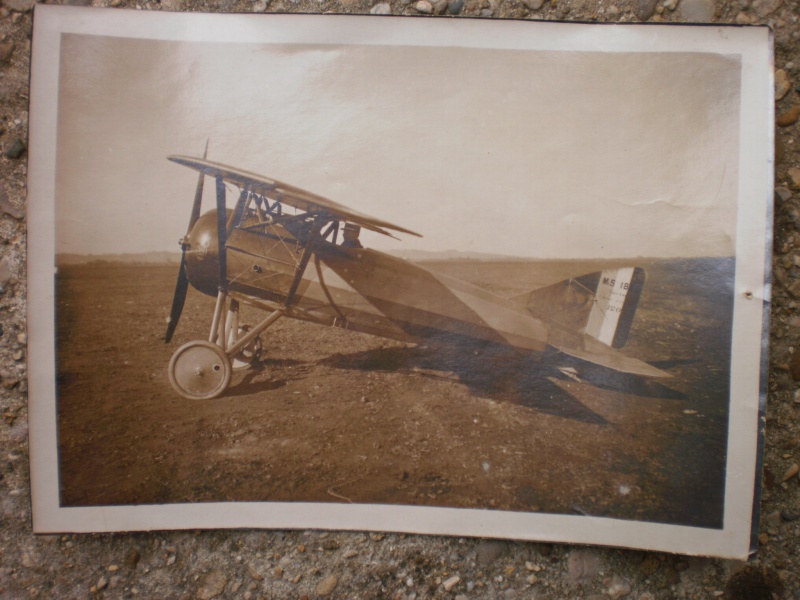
<point>597,353</point>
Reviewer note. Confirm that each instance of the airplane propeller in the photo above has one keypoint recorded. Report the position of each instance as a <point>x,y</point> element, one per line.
<point>182,285</point>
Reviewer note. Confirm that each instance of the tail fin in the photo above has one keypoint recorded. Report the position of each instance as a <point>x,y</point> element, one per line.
<point>615,301</point>
<point>600,304</point>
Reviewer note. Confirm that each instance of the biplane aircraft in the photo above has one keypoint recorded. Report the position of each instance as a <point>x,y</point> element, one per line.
<point>295,254</point>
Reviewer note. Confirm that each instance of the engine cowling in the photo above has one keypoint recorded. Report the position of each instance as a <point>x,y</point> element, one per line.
<point>202,254</point>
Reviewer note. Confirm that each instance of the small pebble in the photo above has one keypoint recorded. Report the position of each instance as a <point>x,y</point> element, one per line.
<point>784,192</point>
<point>212,584</point>
<point>582,567</point>
<point>644,9</point>
<point>5,273</point>
<point>449,584</point>
<point>794,178</point>
<point>326,586</point>
<point>618,587</point>
<point>384,8</point>
<point>15,150</point>
<point>782,84</point>
<point>490,551</point>
<point>254,573</point>
<point>533,4</point>
<point>454,7</point>
<point>6,50</point>
<point>697,11</point>
<point>791,472</point>
<point>650,565</point>
<point>424,7</point>
<point>132,558</point>
<point>789,117</point>
<point>7,207</point>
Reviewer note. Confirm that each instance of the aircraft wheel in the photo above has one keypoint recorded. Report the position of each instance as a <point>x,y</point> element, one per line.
<point>250,355</point>
<point>200,370</point>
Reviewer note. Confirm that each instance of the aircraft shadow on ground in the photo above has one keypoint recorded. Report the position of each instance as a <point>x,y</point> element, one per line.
<point>256,379</point>
<point>490,372</point>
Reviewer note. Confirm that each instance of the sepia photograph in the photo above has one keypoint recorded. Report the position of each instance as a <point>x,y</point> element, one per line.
<point>399,277</point>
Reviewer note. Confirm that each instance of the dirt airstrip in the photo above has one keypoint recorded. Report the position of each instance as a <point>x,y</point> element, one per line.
<point>337,416</point>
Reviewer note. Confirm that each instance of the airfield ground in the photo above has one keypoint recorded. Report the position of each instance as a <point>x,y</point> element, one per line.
<point>337,416</point>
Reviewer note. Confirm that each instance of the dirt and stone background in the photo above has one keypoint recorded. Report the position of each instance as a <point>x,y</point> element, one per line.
<point>298,564</point>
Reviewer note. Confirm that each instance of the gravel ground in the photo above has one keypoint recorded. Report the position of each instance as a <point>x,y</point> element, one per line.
<point>306,564</point>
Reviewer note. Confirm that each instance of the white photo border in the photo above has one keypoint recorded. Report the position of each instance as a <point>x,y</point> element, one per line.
<point>751,303</point>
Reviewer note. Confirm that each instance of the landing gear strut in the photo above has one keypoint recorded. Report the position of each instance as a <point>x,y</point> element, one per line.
<point>201,370</point>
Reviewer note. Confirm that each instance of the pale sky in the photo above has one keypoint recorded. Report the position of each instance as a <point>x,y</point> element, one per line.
<point>522,153</point>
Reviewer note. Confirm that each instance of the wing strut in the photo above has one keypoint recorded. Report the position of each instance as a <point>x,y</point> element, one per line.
<point>217,333</point>
<point>327,291</point>
<point>316,227</point>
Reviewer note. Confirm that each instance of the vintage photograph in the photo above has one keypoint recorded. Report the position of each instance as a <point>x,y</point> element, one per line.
<point>395,272</point>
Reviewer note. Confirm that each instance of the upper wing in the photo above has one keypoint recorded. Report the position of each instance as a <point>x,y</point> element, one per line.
<point>287,194</point>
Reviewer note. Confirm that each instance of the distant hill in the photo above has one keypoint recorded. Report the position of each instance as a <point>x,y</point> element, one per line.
<point>429,255</point>
<point>457,255</point>
<point>143,258</point>
<point>174,258</point>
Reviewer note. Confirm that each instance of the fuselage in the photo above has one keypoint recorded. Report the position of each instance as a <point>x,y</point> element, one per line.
<point>357,288</point>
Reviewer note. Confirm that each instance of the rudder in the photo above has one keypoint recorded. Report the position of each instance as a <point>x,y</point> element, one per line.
<point>615,301</point>
<point>601,304</point>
